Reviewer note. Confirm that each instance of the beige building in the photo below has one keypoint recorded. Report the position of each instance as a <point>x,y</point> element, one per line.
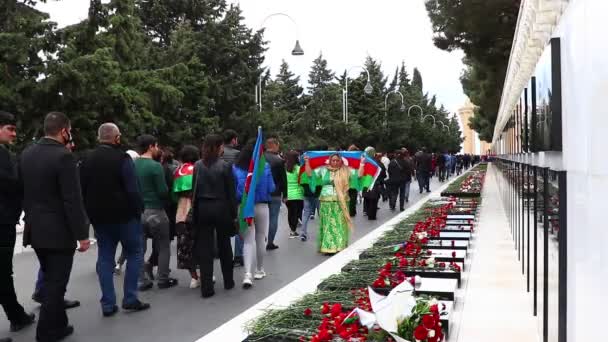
<point>471,143</point>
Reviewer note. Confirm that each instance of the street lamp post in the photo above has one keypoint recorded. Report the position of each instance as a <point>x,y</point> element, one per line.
<point>297,51</point>
<point>432,117</point>
<point>367,89</point>
<point>415,106</point>
<point>386,104</point>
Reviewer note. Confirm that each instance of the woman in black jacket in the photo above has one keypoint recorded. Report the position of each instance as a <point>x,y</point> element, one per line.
<point>214,209</point>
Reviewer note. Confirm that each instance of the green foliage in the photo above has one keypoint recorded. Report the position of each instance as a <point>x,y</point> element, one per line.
<point>181,69</point>
<point>484,31</point>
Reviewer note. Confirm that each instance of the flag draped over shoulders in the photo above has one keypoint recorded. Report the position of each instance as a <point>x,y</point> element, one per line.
<point>320,159</point>
<point>182,178</point>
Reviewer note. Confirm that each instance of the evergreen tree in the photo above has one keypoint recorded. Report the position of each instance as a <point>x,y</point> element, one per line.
<point>27,39</point>
<point>417,80</point>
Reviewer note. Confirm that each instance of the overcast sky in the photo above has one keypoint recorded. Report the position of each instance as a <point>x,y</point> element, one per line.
<point>345,31</point>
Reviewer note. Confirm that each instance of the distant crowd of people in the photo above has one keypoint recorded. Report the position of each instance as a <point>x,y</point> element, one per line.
<point>148,193</point>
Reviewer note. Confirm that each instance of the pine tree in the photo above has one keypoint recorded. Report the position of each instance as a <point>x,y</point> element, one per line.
<point>27,37</point>
<point>319,76</point>
<point>417,80</point>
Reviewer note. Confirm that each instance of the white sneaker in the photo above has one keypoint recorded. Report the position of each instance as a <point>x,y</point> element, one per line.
<point>259,274</point>
<point>195,283</point>
<point>247,281</point>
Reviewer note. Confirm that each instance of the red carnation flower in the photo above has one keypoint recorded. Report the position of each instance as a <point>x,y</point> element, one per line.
<point>428,321</point>
<point>388,266</point>
<point>453,254</point>
<point>336,309</point>
<point>325,308</point>
<point>434,308</point>
<point>307,312</point>
<point>420,333</point>
<point>453,243</point>
<point>379,283</point>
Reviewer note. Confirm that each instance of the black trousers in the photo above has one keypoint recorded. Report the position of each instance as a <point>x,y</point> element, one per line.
<point>8,298</point>
<point>370,206</point>
<point>294,213</point>
<point>57,266</point>
<point>213,224</point>
<point>398,190</point>
<point>352,204</point>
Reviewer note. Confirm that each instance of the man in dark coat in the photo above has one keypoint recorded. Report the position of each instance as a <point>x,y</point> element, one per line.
<point>423,169</point>
<point>400,175</point>
<point>11,194</point>
<point>114,206</point>
<point>55,218</point>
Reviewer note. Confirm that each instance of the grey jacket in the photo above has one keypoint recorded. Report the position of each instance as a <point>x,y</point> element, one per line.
<point>230,154</point>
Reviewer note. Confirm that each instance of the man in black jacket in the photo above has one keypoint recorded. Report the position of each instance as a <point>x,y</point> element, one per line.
<point>11,194</point>
<point>279,175</point>
<point>400,174</point>
<point>55,219</point>
<point>114,206</point>
<point>423,169</point>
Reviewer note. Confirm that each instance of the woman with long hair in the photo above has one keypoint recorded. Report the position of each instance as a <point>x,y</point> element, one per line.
<point>254,238</point>
<point>182,193</point>
<point>295,192</point>
<point>214,213</point>
<point>335,221</point>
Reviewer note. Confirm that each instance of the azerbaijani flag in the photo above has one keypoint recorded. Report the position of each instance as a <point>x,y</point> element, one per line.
<point>352,159</point>
<point>182,178</point>
<point>256,170</point>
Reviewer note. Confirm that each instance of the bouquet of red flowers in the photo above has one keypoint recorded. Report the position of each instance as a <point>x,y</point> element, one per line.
<point>424,323</point>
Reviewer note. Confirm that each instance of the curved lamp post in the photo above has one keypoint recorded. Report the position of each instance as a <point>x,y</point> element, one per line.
<point>367,90</point>
<point>445,126</point>
<point>402,100</point>
<point>402,108</point>
<point>297,51</point>
<point>415,106</point>
<point>432,117</point>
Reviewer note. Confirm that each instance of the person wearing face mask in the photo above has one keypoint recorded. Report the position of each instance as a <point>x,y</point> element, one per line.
<point>11,194</point>
<point>114,206</point>
<point>155,192</point>
<point>55,219</point>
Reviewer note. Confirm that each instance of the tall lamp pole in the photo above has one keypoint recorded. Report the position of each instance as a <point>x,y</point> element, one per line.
<point>297,51</point>
<point>367,89</point>
<point>402,108</point>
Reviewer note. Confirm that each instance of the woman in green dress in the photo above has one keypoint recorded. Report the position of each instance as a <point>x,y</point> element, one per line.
<point>335,222</point>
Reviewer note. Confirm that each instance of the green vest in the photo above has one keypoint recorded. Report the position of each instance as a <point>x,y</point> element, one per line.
<point>294,190</point>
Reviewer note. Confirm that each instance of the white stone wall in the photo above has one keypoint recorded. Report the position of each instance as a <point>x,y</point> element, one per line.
<point>583,31</point>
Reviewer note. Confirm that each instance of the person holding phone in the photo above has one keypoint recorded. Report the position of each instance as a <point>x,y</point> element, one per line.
<point>56,222</point>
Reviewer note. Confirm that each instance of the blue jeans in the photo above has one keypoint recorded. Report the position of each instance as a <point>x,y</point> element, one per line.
<point>274,208</point>
<point>238,245</point>
<point>130,237</point>
<point>310,205</point>
<point>39,290</point>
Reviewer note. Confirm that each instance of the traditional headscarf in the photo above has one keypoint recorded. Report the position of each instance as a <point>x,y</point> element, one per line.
<point>341,177</point>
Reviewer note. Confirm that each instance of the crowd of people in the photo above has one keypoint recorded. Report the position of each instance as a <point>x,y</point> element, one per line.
<point>130,197</point>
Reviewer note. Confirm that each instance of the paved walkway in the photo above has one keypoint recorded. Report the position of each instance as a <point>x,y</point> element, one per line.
<point>496,305</point>
<point>179,314</point>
